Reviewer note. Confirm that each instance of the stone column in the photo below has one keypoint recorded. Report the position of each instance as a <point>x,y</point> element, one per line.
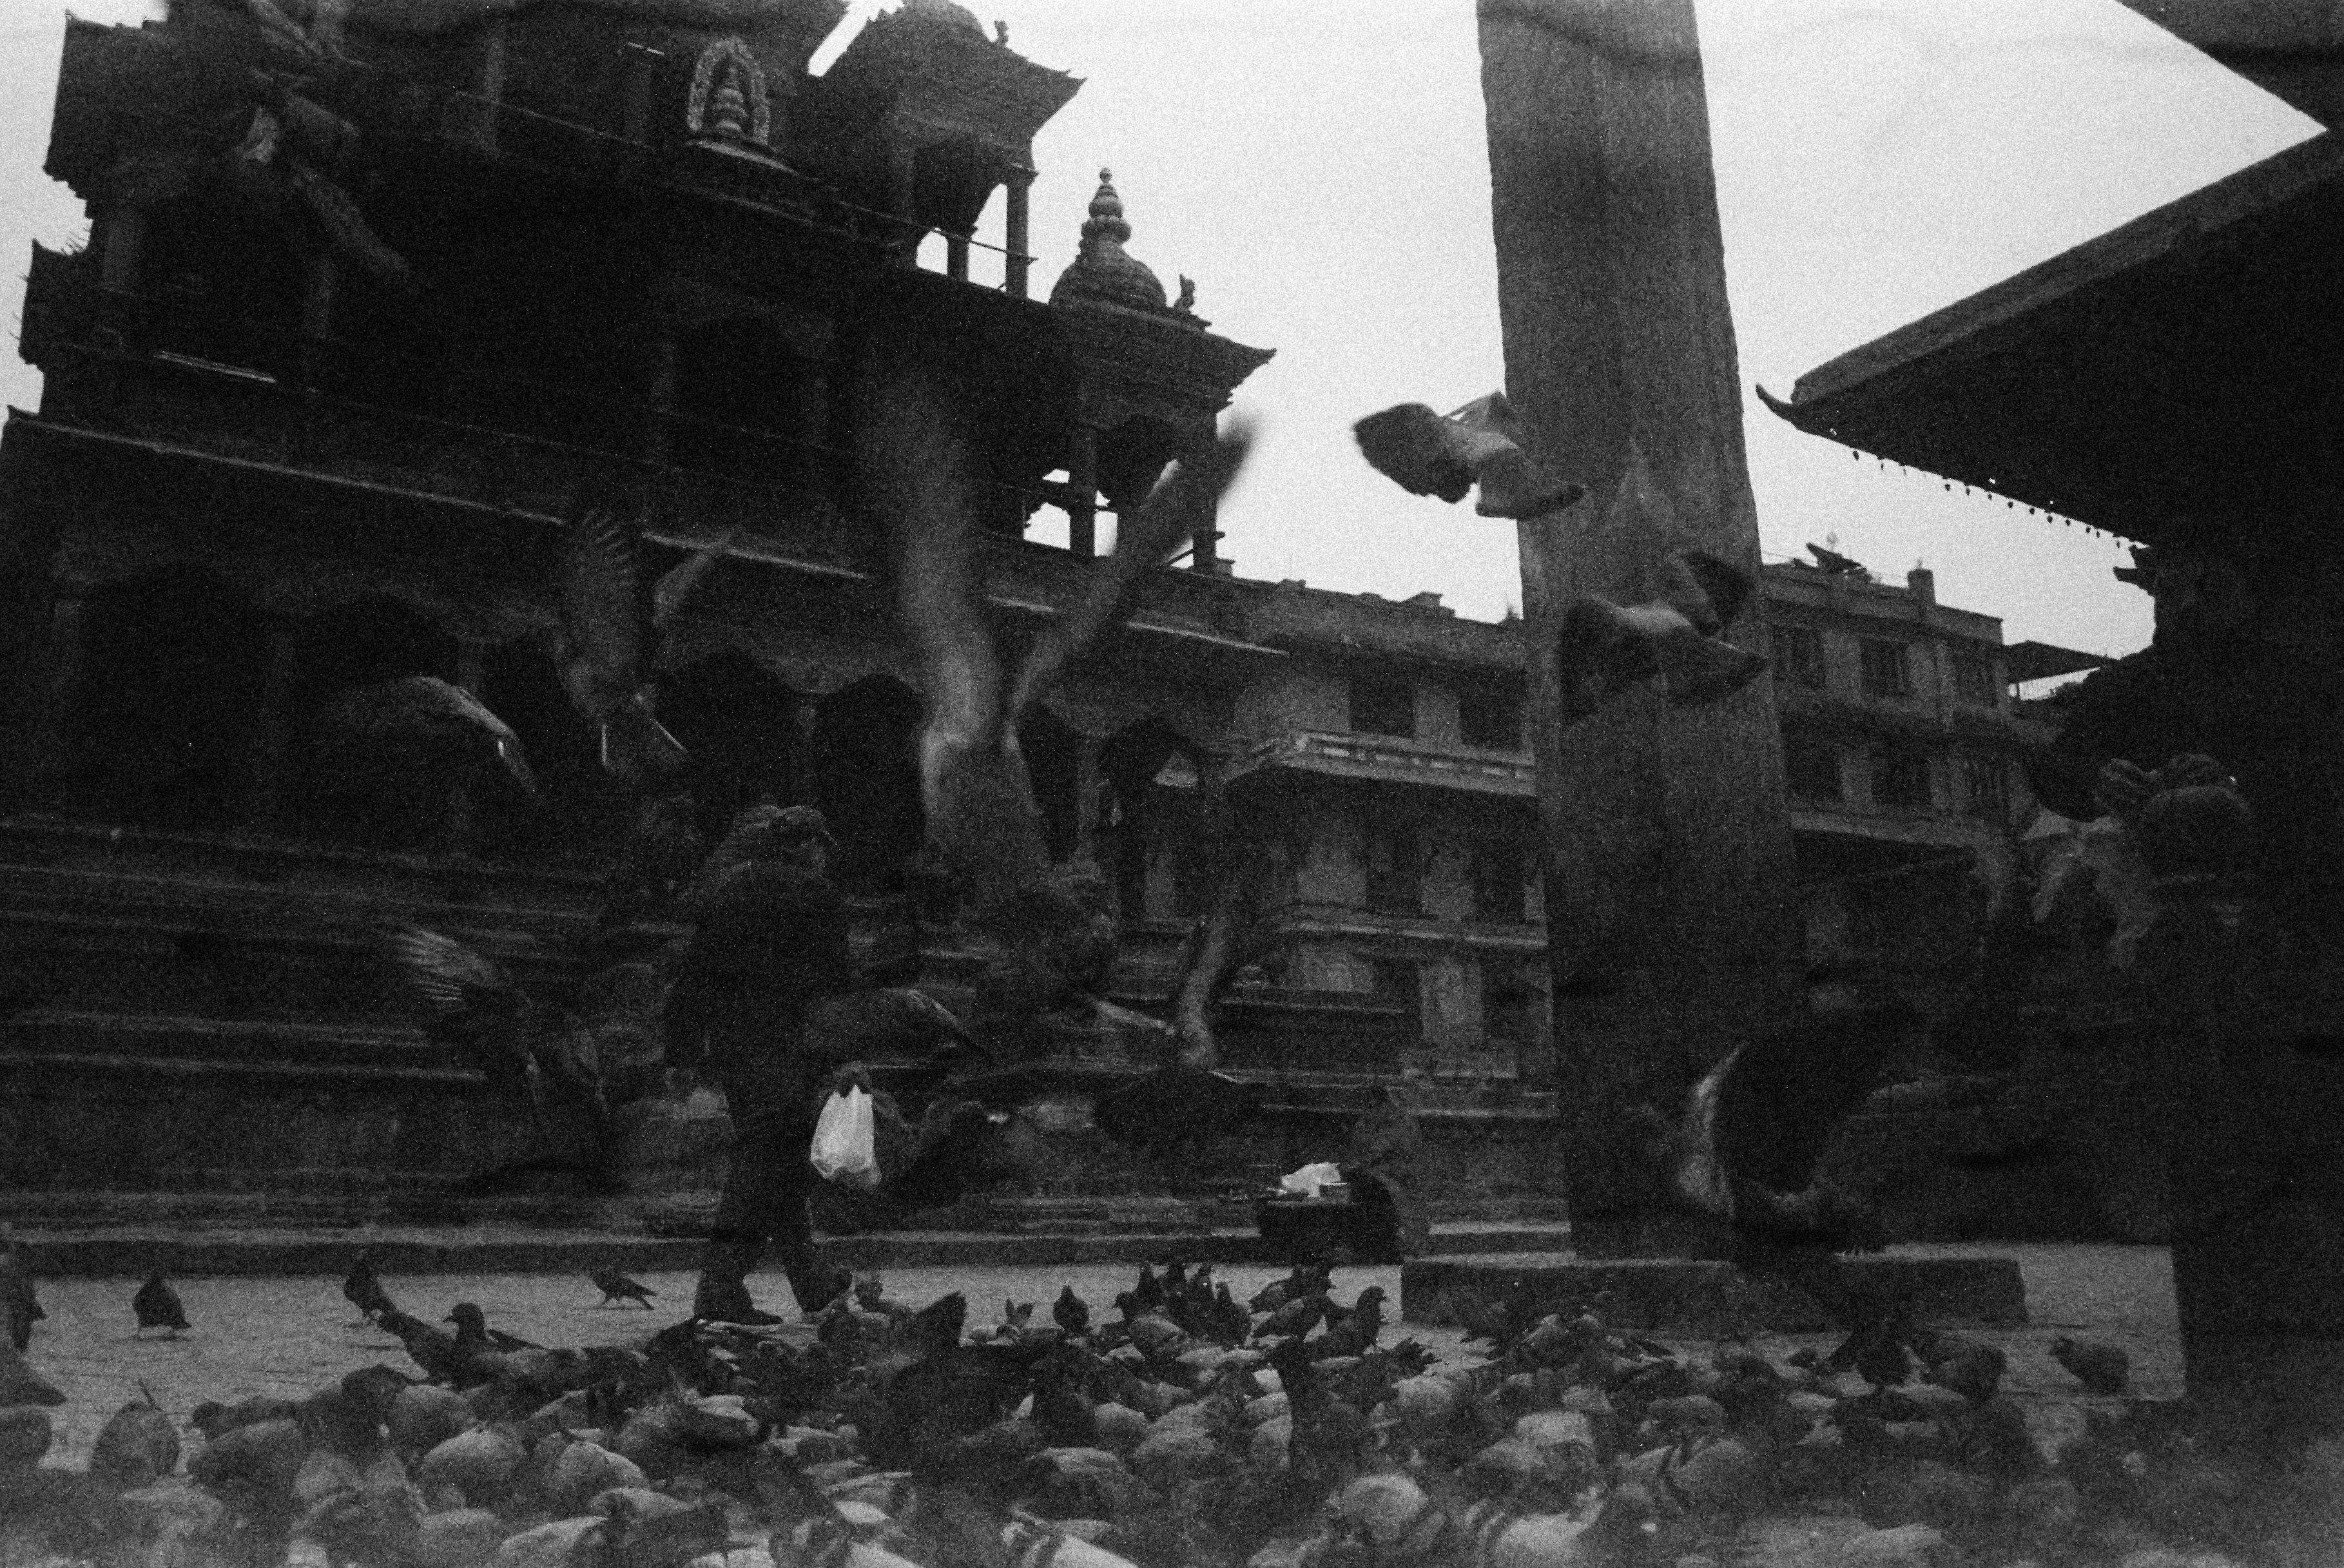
<point>1016,265</point>
<point>2254,1129</point>
<point>1082,486</point>
<point>1669,871</point>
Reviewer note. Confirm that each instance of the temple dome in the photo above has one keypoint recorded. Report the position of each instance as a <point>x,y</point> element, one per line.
<point>946,13</point>
<point>1102,269</point>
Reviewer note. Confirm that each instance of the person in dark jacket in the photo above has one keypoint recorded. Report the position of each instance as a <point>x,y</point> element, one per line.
<point>769,939</point>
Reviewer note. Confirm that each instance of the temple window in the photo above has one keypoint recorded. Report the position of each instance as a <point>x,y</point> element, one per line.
<point>1810,765</point>
<point>1799,657</point>
<point>1899,777</point>
<point>1394,868</point>
<point>1886,668</point>
<point>1382,705</point>
<point>1500,871</point>
<point>1974,678</point>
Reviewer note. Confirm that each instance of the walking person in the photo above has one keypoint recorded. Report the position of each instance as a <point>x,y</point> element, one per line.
<point>769,939</point>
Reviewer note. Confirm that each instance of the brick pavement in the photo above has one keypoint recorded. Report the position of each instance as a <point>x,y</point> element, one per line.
<point>290,1336</point>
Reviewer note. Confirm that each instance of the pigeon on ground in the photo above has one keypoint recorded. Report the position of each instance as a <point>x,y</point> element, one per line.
<point>20,1307</point>
<point>1071,1312</point>
<point>2102,1368</point>
<point>429,1349</point>
<point>158,1306</point>
<point>1355,1333</point>
<point>617,1287</point>
<point>1481,444</point>
<point>363,1291</point>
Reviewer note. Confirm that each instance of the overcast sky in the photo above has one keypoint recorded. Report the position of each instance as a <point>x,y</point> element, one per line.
<point>1321,170</point>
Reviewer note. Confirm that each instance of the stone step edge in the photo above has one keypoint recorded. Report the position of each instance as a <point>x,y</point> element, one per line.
<point>129,1252</point>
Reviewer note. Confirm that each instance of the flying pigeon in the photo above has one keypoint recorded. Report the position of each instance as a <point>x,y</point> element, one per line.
<point>422,720</point>
<point>603,649</point>
<point>918,467</point>
<point>1602,648</point>
<point>1481,443</point>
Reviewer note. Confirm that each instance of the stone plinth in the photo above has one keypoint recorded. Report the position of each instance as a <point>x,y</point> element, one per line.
<point>1674,1296</point>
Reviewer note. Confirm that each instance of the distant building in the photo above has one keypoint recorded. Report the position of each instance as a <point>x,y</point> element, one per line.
<point>1901,752</point>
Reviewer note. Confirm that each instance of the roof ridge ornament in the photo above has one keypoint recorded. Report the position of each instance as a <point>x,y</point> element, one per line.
<point>1102,269</point>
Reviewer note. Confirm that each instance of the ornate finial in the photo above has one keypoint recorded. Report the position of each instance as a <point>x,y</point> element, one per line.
<point>1188,300</point>
<point>1107,214</point>
<point>728,106</point>
<point>1001,33</point>
<point>1103,269</point>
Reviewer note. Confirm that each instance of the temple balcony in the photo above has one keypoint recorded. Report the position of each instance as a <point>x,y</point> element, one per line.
<point>1387,759</point>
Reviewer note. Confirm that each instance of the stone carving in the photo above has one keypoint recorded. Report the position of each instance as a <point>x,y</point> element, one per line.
<point>728,98</point>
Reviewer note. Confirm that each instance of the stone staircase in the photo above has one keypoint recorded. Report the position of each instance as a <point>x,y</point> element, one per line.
<point>194,1016</point>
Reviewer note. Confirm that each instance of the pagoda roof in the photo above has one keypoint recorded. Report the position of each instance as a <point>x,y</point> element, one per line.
<point>2184,363</point>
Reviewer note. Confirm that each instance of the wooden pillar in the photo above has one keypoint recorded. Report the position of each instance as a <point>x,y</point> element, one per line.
<point>488,89</point>
<point>321,287</point>
<point>50,759</point>
<point>1016,265</point>
<point>1204,553</point>
<point>805,750</point>
<point>272,735</point>
<point>902,160</point>
<point>956,256</point>
<point>1082,488</point>
<point>658,399</point>
<point>1090,795</point>
<point>1669,870</point>
<point>121,243</point>
<point>463,814</point>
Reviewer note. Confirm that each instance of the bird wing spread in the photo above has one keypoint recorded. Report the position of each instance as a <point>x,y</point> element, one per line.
<point>1181,504</point>
<point>598,594</point>
<point>448,976</point>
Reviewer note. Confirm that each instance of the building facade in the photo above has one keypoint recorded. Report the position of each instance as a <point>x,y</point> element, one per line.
<point>358,327</point>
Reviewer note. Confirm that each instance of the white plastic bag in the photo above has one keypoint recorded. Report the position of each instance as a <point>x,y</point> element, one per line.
<point>845,1150</point>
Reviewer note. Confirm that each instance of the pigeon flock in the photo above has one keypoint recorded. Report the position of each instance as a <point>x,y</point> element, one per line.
<point>1177,1427</point>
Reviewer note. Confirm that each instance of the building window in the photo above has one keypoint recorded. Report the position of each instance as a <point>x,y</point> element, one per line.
<point>1500,881</point>
<point>1382,705</point>
<point>1799,657</point>
<point>1395,870</point>
<point>1986,786</point>
<point>1887,669</point>
<point>1900,778</point>
<point>1811,765</point>
<point>1974,678</point>
<point>1395,981</point>
<point>1491,720</point>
